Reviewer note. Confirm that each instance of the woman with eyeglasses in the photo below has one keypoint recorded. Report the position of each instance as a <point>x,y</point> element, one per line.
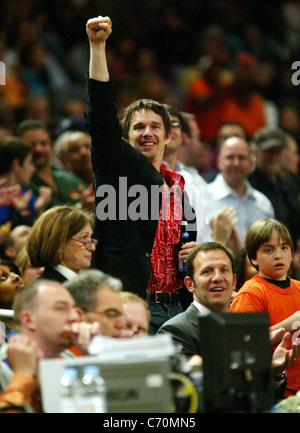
<point>61,240</point>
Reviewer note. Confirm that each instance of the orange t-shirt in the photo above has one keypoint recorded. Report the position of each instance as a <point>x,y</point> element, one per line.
<point>257,294</point>
<point>252,115</point>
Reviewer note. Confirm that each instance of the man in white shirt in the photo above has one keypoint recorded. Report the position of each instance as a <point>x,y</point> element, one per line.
<point>224,228</point>
<point>231,187</point>
<point>194,190</point>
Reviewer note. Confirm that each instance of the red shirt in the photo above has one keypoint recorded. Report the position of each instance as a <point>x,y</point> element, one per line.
<point>164,256</point>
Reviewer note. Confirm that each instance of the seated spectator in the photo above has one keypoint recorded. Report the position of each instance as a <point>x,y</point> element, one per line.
<point>45,313</point>
<point>211,279</point>
<point>137,314</point>
<point>232,188</point>
<point>269,144</point>
<point>15,242</point>
<point>16,166</point>
<point>64,185</point>
<point>190,152</point>
<point>60,240</point>
<point>269,247</point>
<point>17,387</point>
<point>290,160</point>
<point>72,148</point>
<point>97,296</point>
<point>242,102</point>
<point>10,282</point>
<point>28,272</point>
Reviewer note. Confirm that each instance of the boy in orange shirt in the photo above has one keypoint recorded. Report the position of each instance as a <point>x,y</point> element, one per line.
<point>269,247</point>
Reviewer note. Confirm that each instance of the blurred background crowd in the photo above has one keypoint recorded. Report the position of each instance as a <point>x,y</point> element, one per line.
<point>168,50</point>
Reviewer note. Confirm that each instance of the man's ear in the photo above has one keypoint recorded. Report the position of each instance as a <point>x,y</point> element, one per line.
<point>185,139</point>
<point>27,320</point>
<point>234,282</point>
<point>219,162</point>
<point>168,138</point>
<point>189,284</point>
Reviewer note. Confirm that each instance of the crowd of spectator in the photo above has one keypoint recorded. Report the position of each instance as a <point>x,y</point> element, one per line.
<point>215,65</point>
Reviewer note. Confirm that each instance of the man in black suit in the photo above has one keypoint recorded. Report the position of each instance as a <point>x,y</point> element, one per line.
<point>211,280</point>
<point>138,241</point>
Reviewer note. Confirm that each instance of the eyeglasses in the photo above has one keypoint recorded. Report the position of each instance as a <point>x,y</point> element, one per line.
<point>86,242</point>
<point>175,124</point>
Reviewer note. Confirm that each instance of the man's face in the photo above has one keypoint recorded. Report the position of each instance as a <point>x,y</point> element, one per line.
<point>290,158</point>
<point>195,147</point>
<point>79,153</point>
<point>269,160</point>
<point>234,161</point>
<point>137,318</point>
<point>19,235</point>
<point>51,320</point>
<point>213,280</point>
<point>109,313</point>
<point>147,133</point>
<point>42,148</point>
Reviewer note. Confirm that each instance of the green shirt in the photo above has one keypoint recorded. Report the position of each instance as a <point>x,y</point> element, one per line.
<point>67,187</point>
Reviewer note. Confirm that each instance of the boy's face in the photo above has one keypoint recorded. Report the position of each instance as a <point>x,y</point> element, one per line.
<point>273,258</point>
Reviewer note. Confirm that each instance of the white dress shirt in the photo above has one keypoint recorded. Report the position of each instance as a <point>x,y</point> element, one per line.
<point>252,206</point>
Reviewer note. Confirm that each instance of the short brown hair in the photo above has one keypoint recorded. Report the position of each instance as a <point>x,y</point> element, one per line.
<point>26,298</point>
<point>260,232</point>
<point>206,246</point>
<point>147,105</point>
<point>12,148</point>
<point>51,231</point>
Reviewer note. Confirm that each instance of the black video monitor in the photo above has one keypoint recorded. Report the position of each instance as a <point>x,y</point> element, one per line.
<point>236,355</point>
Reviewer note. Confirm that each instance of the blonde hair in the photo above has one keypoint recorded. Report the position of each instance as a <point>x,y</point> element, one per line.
<point>51,231</point>
<point>22,259</point>
<point>132,297</point>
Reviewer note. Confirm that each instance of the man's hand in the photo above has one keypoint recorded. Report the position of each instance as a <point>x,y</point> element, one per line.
<point>43,200</point>
<point>283,357</point>
<point>98,29</point>
<point>23,355</point>
<point>8,193</point>
<point>186,249</point>
<point>82,334</point>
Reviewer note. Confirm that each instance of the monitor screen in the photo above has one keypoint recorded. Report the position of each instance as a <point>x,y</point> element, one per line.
<point>236,355</point>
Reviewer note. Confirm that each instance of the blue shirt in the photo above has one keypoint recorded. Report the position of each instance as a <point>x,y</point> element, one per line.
<point>252,206</point>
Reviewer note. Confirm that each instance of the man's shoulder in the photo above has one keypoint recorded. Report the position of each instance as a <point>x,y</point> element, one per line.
<point>179,320</point>
<point>67,176</point>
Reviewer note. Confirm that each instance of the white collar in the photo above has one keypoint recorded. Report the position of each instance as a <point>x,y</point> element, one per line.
<point>66,272</point>
<point>203,310</point>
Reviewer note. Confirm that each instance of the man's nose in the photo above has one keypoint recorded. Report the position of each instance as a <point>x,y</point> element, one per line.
<point>217,275</point>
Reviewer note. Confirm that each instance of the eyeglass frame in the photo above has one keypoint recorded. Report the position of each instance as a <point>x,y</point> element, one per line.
<point>176,124</point>
<point>88,243</point>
